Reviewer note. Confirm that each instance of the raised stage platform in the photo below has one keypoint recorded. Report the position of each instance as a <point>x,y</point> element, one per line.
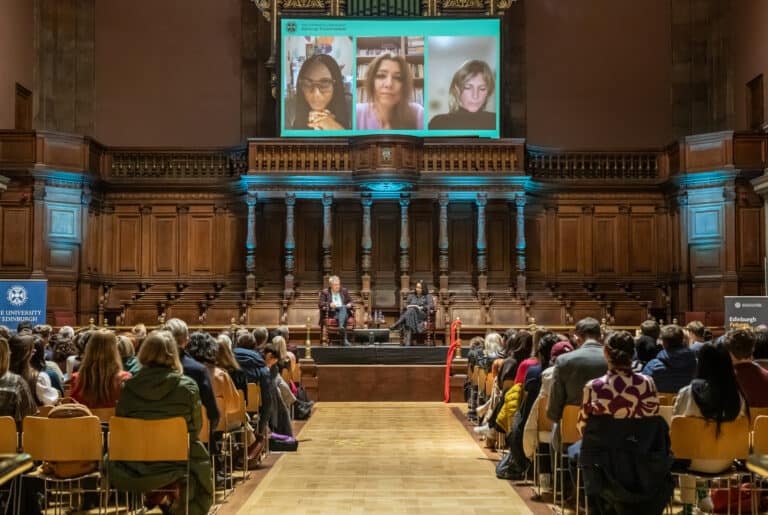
<point>378,373</point>
<point>378,355</point>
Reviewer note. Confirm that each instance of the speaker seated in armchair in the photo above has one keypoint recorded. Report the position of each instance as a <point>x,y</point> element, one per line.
<point>336,310</point>
<point>419,315</point>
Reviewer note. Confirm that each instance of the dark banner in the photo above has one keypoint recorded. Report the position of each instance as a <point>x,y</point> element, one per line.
<point>742,312</point>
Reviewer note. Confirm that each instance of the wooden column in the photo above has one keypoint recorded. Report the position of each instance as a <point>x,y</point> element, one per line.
<point>520,242</point>
<point>290,243</point>
<point>443,243</point>
<point>405,245</point>
<point>39,234</point>
<point>481,246</point>
<point>366,244</point>
<point>250,245</point>
<point>327,236</point>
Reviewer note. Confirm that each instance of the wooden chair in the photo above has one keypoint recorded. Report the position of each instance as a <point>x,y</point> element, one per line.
<point>169,442</point>
<point>731,444</point>
<point>544,426</point>
<point>667,399</point>
<point>296,372</point>
<point>760,435</point>
<point>42,439</point>
<point>489,379</point>
<point>568,434</point>
<point>330,329</point>
<point>507,384</point>
<point>43,411</point>
<point>253,406</point>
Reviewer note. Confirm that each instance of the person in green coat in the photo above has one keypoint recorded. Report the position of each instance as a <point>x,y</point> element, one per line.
<point>160,390</point>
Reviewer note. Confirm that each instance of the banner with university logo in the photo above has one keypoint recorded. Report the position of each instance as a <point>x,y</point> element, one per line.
<point>22,300</point>
<point>742,312</point>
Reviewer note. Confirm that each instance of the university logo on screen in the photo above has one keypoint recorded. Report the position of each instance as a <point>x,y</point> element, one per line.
<point>22,300</point>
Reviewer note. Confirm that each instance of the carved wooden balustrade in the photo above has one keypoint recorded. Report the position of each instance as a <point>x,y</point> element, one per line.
<point>545,164</point>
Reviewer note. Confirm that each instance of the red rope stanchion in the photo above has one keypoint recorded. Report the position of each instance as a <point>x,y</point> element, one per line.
<point>455,343</point>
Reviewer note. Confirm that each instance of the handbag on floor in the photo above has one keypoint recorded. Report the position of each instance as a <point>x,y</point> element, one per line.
<point>282,443</point>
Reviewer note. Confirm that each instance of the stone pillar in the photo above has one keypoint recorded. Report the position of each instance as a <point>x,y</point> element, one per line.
<point>481,246</point>
<point>443,243</point>
<point>405,245</point>
<point>366,245</point>
<point>520,242</point>
<point>327,236</point>
<point>250,245</point>
<point>290,243</point>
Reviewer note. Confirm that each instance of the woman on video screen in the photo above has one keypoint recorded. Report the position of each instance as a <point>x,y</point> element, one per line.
<point>471,86</point>
<point>320,100</point>
<point>389,87</point>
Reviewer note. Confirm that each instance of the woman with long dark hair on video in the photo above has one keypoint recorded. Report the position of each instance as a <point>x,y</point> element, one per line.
<point>320,100</point>
<point>389,88</point>
<point>471,87</point>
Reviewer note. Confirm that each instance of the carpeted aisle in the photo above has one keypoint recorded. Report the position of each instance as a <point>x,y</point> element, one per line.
<point>368,458</point>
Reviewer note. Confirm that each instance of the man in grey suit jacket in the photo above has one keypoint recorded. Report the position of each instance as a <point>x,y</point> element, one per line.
<point>574,369</point>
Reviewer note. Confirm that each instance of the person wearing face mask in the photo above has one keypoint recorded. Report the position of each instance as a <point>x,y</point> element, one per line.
<point>471,87</point>
<point>389,86</point>
<point>320,102</point>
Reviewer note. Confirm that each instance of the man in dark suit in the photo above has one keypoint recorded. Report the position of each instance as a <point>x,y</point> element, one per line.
<point>335,302</point>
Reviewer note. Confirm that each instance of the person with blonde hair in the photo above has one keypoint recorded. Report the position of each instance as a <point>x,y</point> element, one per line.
<point>160,390</point>
<point>389,90</point>
<point>471,87</point>
<point>16,399</point>
<point>98,382</point>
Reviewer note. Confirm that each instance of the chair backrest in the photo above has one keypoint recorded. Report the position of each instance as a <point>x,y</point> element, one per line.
<point>243,410</point>
<point>9,437</point>
<point>544,424</point>
<point>63,439</point>
<point>568,431</point>
<point>758,412</point>
<point>254,397</point>
<point>296,373</point>
<point>43,411</point>
<point>205,427</point>
<point>481,375</point>
<point>732,443</point>
<point>666,399</point>
<point>760,435</point>
<point>104,414</point>
<point>286,375</point>
<point>489,379</point>
<point>136,439</point>
<point>508,383</point>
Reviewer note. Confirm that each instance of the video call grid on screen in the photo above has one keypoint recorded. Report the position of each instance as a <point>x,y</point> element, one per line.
<point>421,77</point>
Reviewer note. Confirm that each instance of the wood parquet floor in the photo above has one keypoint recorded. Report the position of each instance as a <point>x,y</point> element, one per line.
<point>384,458</point>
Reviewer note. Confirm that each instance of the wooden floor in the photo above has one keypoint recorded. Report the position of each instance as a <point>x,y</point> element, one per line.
<point>387,458</point>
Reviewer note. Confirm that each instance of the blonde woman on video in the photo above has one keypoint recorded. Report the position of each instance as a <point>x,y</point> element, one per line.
<point>471,87</point>
<point>389,88</point>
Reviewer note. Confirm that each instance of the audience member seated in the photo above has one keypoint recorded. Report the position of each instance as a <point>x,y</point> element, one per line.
<point>16,399</point>
<point>161,390</point>
<point>336,303</point>
<point>226,360</point>
<point>24,328</point>
<point>761,345</point>
<point>532,356</point>
<point>647,344</point>
<point>39,382</point>
<point>674,366</point>
<point>620,393</point>
<point>254,367</point>
<point>100,379</point>
<point>696,335</point>
<point>714,395</point>
<point>618,407</point>
<point>127,351</point>
<point>80,342</point>
<point>474,355</point>
<point>178,328</point>
<point>50,368</point>
<point>139,332</point>
<point>44,331</point>
<point>280,418</point>
<point>531,432</point>
<point>575,369</point>
<point>752,378</point>
<point>204,349</point>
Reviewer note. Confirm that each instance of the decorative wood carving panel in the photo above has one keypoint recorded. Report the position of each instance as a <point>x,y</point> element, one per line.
<point>128,244</point>
<point>347,227</point>
<point>751,239</point>
<point>164,246</point>
<point>201,244</point>
<point>569,244</point>
<point>461,234</point>
<point>642,244</point>
<point>605,251</point>
<point>309,237</point>
<point>270,228</point>
<point>500,242</point>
